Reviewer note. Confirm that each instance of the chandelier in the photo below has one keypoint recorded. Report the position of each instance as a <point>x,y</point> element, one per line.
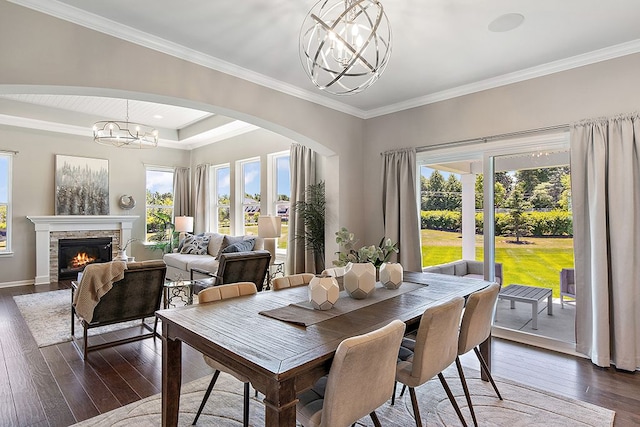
<point>345,46</point>
<point>125,134</point>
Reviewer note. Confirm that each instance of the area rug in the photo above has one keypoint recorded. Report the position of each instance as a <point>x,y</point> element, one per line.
<point>48,316</point>
<point>522,406</point>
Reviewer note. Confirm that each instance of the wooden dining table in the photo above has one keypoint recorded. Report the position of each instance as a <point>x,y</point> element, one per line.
<point>281,358</point>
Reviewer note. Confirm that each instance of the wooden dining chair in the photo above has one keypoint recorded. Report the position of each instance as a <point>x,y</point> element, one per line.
<point>360,380</point>
<point>291,281</point>
<point>218,293</point>
<point>433,350</point>
<point>475,329</point>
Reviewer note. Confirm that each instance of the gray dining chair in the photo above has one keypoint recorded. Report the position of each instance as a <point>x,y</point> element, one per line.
<point>475,329</point>
<point>217,293</point>
<point>358,382</point>
<point>433,350</point>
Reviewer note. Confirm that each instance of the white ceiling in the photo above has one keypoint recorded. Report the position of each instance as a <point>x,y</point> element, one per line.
<point>441,48</point>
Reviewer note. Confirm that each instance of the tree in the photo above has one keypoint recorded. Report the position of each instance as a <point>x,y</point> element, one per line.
<point>541,198</point>
<point>312,212</point>
<point>499,193</point>
<point>435,190</point>
<point>452,196</point>
<point>565,197</point>
<point>517,205</point>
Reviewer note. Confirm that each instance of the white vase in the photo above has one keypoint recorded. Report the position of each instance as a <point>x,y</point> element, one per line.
<point>359,279</point>
<point>121,256</point>
<point>323,292</point>
<point>391,275</point>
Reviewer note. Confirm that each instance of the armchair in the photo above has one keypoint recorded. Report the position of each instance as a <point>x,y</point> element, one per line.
<point>236,267</point>
<point>136,296</point>
<point>567,285</point>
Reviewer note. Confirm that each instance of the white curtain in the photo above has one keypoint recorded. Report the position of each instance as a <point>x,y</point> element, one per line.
<point>302,162</point>
<point>182,192</point>
<point>201,218</point>
<point>605,188</point>
<point>400,206</point>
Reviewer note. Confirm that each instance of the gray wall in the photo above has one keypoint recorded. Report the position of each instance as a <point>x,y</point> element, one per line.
<point>33,188</point>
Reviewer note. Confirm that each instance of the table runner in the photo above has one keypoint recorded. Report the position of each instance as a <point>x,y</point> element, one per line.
<point>302,313</point>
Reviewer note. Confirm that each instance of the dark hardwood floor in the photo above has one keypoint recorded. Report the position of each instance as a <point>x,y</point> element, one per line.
<point>53,386</point>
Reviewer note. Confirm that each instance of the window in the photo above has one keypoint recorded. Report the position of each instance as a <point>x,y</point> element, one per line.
<point>221,199</point>
<point>5,203</point>
<point>250,195</point>
<point>159,205</point>
<point>280,188</point>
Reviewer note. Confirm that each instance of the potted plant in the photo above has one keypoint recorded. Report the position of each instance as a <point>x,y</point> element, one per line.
<point>312,212</point>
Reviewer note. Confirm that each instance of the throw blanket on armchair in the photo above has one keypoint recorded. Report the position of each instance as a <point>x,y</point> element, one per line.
<point>97,280</point>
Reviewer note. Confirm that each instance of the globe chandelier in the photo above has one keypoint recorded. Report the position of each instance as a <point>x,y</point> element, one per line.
<point>125,134</point>
<point>345,45</point>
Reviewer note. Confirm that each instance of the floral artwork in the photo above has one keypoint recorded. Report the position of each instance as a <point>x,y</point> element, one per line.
<point>82,186</point>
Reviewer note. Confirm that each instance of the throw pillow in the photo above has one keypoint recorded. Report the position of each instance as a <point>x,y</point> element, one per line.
<point>244,246</point>
<point>229,240</point>
<point>181,244</point>
<point>195,245</point>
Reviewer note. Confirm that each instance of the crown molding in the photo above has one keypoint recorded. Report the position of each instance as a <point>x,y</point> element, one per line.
<point>577,61</point>
<point>94,22</point>
<point>112,28</point>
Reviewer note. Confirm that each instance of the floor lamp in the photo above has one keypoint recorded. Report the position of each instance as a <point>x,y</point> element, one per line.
<point>269,228</point>
<point>184,224</point>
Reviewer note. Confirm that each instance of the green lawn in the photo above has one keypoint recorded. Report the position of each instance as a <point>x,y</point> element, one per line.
<point>536,263</point>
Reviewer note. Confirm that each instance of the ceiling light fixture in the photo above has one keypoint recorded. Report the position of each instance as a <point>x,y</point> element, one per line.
<point>345,46</point>
<point>125,134</point>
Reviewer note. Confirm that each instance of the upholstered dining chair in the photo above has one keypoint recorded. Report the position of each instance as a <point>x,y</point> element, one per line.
<point>357,383</point>
<point>291,281</point>
<point>433,350</point>
<point>217,293</point>
<point>475,329</point>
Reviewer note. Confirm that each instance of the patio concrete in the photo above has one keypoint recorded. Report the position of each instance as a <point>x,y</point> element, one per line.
<point>559,326</point>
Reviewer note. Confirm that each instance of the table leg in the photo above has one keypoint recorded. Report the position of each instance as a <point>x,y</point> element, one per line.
<point>513,304</point>
<point>280,404</point>
<point>171,379</point>
<point>534,315</point>
<point>485,351</point>
<point>550,305</point>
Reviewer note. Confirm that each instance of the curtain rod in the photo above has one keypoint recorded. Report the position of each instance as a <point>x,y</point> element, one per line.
<point>14,152</point>
<point>490,138</point>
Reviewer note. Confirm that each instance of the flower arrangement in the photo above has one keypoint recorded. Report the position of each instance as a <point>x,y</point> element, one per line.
<point>373,254</point>
<point>126,245</point>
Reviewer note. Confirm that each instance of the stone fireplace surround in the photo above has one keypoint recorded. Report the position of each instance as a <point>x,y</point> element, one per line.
<point>49,229</point>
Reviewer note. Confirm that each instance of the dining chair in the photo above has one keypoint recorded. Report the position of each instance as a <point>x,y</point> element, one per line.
<point>217,293</point>
<point>433,350</point>
<point>475,329</point>
<point>291,281</point>
<point>360,380</point>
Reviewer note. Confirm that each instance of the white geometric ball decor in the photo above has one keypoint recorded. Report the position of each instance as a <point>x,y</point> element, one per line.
<point>359,279</point>
<point>391,275</point>
<point>323,292</point>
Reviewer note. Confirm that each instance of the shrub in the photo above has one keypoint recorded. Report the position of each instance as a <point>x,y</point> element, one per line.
<point>441,220</point>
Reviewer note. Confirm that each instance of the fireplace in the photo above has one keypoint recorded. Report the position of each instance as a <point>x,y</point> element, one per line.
<point>75,254</point>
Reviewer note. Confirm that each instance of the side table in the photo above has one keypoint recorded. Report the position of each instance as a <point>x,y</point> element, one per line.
<point>178,290</point>
<point>275,269</point>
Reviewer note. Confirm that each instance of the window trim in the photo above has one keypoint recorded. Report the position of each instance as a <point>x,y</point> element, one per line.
<point>240,192</point>
<point>272,180</point>
<point>214,206</point>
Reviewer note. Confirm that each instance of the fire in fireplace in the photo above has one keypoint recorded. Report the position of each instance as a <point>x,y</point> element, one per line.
<point>75,254</point>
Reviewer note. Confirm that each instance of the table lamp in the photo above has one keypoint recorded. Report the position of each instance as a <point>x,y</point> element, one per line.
<point>269,228</point>
<point>183,224</point>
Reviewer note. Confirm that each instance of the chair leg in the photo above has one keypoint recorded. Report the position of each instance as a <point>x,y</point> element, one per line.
<point>414,403</point>
<point>393,396</point>
<point>404,387</point>
<point>206,396</point>
<point>486,370</point>
<point>452,399</point>
<point>463,380</point>
<point>245,412</point>
<point>374,418</point>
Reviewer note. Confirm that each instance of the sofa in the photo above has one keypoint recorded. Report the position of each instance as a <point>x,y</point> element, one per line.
<point>203,253</point>
<point>464,268</point>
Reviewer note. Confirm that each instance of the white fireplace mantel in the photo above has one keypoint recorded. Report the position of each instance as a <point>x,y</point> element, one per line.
<point>44,225</point>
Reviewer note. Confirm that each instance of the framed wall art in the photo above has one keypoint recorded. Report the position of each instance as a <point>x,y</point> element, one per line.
<point>82,186</point>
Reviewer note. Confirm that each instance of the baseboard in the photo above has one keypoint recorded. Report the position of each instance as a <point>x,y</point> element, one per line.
<point>17,283</point>
<point>536,341</point>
